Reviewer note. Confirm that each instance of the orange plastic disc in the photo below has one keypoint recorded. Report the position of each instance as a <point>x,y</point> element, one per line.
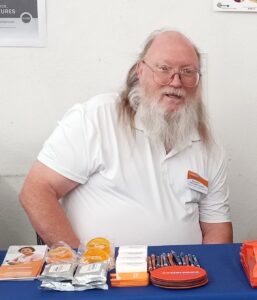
<point>99,243</point>
<point>93,255</point>
<point>179,273</point>
<point>59,254</point>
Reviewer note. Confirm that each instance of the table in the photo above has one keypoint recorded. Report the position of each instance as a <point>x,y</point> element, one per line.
<point>227,280</point>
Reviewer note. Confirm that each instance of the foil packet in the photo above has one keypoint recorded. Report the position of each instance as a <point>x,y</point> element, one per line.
<point>58,272</point>
<point>63,286</point>
<point>94,274</point>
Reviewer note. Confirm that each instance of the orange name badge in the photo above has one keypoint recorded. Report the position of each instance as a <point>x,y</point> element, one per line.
<point>197,183</point>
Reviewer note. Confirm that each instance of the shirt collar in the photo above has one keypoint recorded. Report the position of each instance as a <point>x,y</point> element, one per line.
<point>194,137</point>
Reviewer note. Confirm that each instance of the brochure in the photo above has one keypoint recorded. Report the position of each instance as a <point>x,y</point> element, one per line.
<point>23,262</point>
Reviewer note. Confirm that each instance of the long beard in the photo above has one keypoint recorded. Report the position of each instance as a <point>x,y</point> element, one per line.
<point>170,128</point>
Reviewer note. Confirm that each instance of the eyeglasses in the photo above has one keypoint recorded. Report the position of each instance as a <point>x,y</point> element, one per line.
<point>164,75</point>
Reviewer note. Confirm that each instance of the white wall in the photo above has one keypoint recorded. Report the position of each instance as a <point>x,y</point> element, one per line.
<point>91,45</point>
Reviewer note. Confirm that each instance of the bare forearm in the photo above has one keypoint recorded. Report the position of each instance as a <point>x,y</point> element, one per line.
<point>39,197</point>
<point>48,217</point>
<point>219,233</point>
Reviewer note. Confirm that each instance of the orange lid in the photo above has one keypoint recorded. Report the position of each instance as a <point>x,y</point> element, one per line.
<point>94,255</point>
<point>99,243</point>
<point>59,253</point>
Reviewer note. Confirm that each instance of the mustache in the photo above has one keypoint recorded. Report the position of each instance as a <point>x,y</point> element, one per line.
<point>178,92</point>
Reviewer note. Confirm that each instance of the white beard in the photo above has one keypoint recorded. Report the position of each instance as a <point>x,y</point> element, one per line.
<point>169,128</point>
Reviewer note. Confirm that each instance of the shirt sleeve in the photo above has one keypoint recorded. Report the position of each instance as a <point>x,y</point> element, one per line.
<point>72,149</point>
<point>214,208</point>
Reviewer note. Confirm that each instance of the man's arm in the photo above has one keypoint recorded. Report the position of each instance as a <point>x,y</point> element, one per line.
<point>42,189</point>
<point>217,233</point>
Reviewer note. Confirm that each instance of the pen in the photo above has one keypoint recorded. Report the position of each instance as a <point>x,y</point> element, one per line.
<point>191,261</point>
<point>177,258</point>
<point>158,261</point>
<point>161,260</point>
<point>170,259</point>
<point>150,266</point>
<point>196,263</point>
<point>164,260</point>
<point>187,260</point>
<point>153,261</point>
<point>183,259</point>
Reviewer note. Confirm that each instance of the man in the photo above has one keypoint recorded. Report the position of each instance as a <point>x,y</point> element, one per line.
<point>140,167</point>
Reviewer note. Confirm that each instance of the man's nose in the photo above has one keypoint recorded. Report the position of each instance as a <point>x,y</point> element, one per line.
<point>175,81</point>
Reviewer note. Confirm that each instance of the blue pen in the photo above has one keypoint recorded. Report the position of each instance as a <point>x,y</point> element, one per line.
<point>183,259</point>
<point>196,263</point>
<point>176,257</point>
<point>164,259</point>
<point>191,261</point>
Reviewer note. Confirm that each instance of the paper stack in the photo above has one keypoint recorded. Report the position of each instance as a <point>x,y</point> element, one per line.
<point>131,267</point>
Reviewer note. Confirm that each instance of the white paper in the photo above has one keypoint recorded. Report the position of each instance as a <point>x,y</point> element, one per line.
<point>23,23</point>
<point>235,5</point>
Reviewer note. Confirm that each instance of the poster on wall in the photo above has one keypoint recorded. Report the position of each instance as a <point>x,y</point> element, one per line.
<point>23,23</point>
<point>235,5</point>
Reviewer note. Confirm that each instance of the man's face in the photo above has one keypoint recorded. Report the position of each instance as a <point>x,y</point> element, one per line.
<point>172,51</point>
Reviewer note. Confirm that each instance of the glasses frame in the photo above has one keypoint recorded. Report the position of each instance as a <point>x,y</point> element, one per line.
<point>172,74</point>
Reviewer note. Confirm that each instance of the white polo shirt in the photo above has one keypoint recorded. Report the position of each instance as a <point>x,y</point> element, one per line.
<point>130,190</point>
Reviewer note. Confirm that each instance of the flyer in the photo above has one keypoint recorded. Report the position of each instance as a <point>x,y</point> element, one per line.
<point>235,5</point>
<point>23,262</point>
<point>23,23</point>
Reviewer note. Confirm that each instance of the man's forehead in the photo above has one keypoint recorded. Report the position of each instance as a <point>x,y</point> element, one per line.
<point>172,42</point>
<point>172,38</point>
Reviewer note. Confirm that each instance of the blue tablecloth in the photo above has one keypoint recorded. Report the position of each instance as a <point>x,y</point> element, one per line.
<point>226,280</point>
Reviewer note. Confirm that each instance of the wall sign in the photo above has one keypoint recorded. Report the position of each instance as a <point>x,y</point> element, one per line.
<point>235,5</point>
<point>23,23</point>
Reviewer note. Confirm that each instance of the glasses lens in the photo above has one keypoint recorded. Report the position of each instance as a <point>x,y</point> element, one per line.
<point>162,78</point>
<point>187,80</point>
<point>190,80</point>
